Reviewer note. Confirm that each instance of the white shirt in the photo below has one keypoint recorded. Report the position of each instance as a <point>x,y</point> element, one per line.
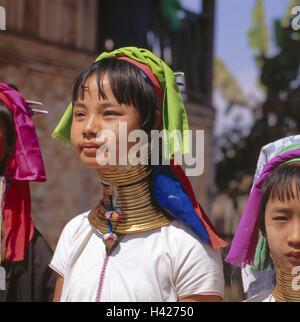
<point>162,265</point>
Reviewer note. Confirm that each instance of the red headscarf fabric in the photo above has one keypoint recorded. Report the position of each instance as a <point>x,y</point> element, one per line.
<point>147,70</point>
<point>25,165</point>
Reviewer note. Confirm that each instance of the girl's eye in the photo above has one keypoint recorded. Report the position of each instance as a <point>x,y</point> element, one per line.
<point>280,218</point>
<point>110,113</point>
<point>78,114</point>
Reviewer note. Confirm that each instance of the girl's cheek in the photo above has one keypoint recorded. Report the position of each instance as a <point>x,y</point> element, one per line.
<point>75,139</point>
<point>112,125</point>
<point>274,240</point>
<point>272,234</point>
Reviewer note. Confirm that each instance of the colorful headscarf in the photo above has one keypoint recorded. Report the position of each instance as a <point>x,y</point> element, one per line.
<point>262,259</point>
<point>260,276</point>
<point>173,111</point>
<point>166,184</point>
<point>245,241</point>
<point>23,166</point>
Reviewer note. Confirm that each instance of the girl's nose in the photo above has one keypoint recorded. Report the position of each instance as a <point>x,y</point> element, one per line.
<point>294,233</point>
<point>91,126</point>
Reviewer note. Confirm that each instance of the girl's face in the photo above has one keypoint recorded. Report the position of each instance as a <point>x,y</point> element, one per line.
<point>93,114</point>
<point>282,221</point>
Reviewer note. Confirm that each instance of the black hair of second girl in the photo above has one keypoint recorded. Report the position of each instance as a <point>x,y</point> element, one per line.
<point>279,185</point>
<point>7,118</point>
<point>129,86</point>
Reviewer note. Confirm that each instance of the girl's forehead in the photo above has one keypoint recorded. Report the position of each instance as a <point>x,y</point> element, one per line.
<point>92,85</point>
<point>284,185</point>
<point>288,199</point>
<point>102,79</point>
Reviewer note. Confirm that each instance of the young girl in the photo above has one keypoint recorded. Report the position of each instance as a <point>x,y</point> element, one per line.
<point>24,254</point>
<point>140,243</point>
<point>273,208</point>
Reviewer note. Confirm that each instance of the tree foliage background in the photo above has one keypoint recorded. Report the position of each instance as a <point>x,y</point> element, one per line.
<point>279,115</point>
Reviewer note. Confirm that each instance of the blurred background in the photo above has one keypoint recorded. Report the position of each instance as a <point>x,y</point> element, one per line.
<point>241,86</point>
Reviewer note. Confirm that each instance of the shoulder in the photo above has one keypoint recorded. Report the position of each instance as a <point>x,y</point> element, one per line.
<point>181,240</point>
<point>76,228</point>
<point>197,268</point>
<point>177,231</point>
<point>78,224</point>
<point>73,235</point>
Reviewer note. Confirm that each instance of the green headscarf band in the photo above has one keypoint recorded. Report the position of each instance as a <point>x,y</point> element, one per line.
<point>173,112</point>
<point>290,148</point>
<point>263,260</point>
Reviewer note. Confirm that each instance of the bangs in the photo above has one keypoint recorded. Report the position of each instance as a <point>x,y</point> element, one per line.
<point>283,183</point>
<point>129,85</point>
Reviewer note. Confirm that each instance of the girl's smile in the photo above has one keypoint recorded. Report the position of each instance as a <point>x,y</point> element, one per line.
<point>89,148</point>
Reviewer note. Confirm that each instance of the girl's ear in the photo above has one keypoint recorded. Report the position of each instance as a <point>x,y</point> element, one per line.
<point>157,121</point>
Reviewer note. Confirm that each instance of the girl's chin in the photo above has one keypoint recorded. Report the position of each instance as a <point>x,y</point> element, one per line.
<point>102,162</point>
<point>90,163</point>
<point>90,160</point>
<point>96,166</point>
<point>288,267</point>
<point>294,262</point>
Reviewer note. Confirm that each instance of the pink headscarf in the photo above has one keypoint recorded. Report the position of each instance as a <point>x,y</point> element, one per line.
<point>25,165</point>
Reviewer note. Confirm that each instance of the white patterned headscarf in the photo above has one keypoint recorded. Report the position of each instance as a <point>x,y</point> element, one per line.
<point>256,281</point>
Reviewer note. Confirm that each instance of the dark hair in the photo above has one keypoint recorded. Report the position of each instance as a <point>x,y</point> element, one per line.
<point>279,185</point>
<point>13,87</point>
<point>129,86</point>
<point>7,119</point>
